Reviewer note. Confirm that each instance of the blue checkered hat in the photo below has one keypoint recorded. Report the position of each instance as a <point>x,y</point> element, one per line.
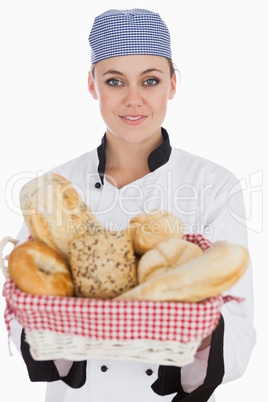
<point>126,32</point>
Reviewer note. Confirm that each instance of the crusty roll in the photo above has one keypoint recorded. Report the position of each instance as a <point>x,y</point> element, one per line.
<point>54,212</point>
<point>201,278</point>
<point>38,269</point>
<point>148,230</point>
<point>166,256</point>
<point>103,265</point>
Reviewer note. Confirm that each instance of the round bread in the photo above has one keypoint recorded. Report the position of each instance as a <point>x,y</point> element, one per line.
<point>103,264</point>
<point>199,279</point>
<point>166,256</point>
<point>148,230</point>
<point>37,269</point>
<point>54,211</point>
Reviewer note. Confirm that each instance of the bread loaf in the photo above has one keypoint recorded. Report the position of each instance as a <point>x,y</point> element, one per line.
<point>54,212</point>
<point>201,278</point>
<point>103,264</point>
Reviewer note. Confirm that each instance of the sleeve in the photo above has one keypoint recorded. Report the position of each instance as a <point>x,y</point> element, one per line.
<point>235,335</point>
<point>229,222</point>
<point>71,373</point>
<point>170,378</point>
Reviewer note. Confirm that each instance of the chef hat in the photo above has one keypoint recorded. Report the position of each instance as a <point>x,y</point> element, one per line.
<point>127,32</point>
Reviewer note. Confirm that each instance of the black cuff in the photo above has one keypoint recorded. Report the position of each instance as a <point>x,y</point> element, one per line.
<point>77,376</point>
<point>38,370</point>
<point>45,370</point>
<point>169,377</point>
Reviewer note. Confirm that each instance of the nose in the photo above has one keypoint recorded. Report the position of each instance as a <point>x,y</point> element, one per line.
<point>133,97</point>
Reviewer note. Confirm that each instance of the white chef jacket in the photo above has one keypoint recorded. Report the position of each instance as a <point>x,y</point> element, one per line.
<point>209,200</point>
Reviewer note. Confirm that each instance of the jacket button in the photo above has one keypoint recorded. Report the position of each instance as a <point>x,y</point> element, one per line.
<point>97,185</point>
<point>104,368</point>
<point>149,372</point>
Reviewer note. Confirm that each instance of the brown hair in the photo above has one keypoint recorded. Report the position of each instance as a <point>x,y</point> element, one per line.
<point>171,67</point>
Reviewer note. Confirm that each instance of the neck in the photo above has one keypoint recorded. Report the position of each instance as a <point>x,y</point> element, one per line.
<point>126,161</point>
<point>127,155</point>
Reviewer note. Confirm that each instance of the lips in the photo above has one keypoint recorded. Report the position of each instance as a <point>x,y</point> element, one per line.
<point>133,119</point>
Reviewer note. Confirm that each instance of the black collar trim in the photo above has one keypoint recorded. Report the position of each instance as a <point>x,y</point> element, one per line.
<point>157,158</point>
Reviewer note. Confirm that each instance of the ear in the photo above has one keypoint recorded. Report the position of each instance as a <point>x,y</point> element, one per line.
<point>91,86</point>
<point>173,86</point>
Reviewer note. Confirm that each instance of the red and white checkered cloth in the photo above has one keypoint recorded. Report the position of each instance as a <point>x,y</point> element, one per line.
<point>114,319</point>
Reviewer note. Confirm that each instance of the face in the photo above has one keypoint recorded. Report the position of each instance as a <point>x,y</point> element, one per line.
<point>133,92</point>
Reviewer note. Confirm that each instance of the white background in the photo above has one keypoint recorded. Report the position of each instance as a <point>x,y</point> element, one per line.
<point>219,112</point>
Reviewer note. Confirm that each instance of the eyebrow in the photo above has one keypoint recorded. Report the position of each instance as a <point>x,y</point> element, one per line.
<point>114,72</point>
<point>149,70</point>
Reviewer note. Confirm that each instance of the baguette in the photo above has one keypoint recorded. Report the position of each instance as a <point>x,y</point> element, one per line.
<point>54,212</point>
<point>206,276</point>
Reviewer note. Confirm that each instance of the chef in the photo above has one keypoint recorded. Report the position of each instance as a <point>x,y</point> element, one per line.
<point>135,169</point>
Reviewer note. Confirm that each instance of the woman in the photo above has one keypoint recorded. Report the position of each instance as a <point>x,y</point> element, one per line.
<point>135,170</point>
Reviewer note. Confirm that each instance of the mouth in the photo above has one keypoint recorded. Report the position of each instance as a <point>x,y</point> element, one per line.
<point>133,119</point>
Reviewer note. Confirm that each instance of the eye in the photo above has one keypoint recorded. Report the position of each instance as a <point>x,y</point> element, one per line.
<point>113,82</point>
<point>151,82</point>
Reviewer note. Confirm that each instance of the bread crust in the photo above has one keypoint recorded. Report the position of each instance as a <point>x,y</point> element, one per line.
<point>165,257</point>
<point>38,269</point>
<point>103,264</point>
<point>148,230</point>
<point>199,279</point>
<point>54,211</point>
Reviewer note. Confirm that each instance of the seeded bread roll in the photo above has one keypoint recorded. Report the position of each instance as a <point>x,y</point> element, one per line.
<point>103,265</point>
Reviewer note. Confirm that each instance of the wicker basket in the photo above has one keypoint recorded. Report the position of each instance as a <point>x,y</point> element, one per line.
<point>167,333</point>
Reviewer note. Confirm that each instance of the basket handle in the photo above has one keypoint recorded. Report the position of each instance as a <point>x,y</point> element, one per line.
<point>3,243</point>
